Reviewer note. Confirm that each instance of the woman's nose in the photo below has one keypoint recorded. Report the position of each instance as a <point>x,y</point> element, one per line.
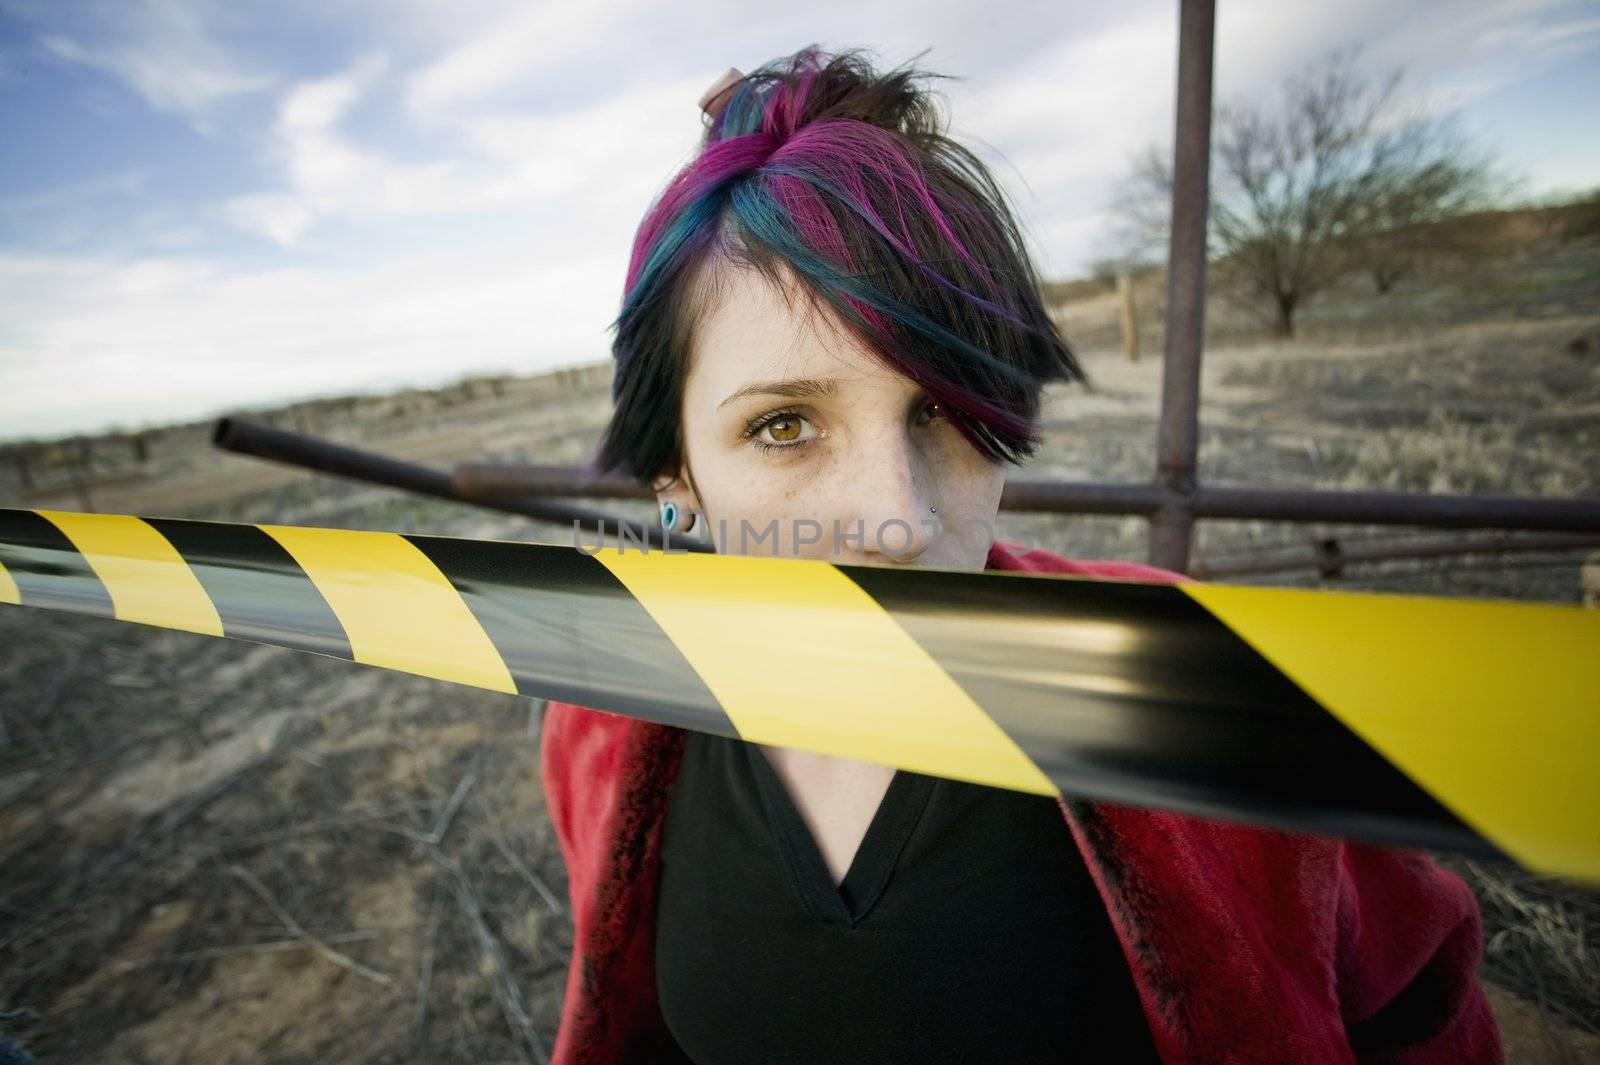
<point>894,498</point>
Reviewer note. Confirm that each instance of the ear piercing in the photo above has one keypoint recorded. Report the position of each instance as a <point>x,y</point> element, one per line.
<point>669,517</point>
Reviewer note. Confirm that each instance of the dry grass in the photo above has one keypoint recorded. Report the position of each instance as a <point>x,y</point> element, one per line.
<point>1542,937</point>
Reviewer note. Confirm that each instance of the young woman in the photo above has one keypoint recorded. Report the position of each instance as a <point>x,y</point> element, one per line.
<point>831,326</point>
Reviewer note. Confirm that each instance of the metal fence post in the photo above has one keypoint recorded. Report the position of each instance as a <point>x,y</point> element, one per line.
<point>1177,442</point>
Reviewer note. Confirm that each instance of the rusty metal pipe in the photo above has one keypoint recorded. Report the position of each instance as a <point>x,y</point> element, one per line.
<point>492,480</point>
<point>1330,557</point>
<point>476,481</point>
<point>1399,508</point>
<point>278,445</point>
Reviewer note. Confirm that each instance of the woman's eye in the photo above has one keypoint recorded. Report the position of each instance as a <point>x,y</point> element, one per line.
<point>780,431</point>
<point>784,430</point>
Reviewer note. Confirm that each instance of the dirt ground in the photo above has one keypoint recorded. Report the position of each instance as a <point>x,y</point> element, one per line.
<point>181,815</point>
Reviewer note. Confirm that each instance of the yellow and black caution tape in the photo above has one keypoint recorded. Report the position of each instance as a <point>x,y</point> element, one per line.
<point>1444,723</point>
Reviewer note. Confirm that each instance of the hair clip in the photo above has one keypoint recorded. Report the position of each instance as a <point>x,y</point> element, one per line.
<point>714,99</point>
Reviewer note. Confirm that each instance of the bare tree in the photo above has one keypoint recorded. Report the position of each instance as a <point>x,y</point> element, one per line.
<point>1427,175</point>
<point>1141,210</point>
<point>1289,185</point>
<point>1326,179</point>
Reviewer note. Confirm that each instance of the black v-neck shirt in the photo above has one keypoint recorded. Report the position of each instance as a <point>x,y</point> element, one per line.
<point>966,928</point>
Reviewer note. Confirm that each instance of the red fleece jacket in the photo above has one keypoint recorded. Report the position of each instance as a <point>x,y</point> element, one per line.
<point>1247,945</point>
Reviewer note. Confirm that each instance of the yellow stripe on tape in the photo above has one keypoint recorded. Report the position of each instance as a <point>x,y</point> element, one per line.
<point>396,607</point>
<point>862,687</point>
<point>147,579</point>
<point>9,592</point>
<point>1431,691</point>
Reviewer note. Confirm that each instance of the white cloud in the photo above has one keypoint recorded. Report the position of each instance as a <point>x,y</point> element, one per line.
<point>161,51</point>
<point>326,173</point>
<point>1451,51</point>
<point>624,143</point>
<point>168,335</point>
<point>325,170</point>
<point>513,161</point>
<point>278,216</point>
<point>125,183</point>
<point>536,39</point>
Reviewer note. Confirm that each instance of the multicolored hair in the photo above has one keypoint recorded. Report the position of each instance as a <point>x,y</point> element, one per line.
<point>822,169</point>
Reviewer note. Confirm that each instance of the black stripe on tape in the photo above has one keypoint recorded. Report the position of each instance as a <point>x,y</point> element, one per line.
<point>259,590</point>
<point>563,623</point>
<point>49,570</point>
<point>1137,694</point>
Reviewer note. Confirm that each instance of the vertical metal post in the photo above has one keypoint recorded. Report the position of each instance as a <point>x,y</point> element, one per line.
<point>1177,442</point>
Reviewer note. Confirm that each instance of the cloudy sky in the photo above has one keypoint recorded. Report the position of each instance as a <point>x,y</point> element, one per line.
<point>207,204</point>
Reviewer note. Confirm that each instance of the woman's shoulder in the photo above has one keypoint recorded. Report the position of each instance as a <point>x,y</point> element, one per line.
<point>1209,869</point>
<point>581,744</point>
<point>605,778</point>
<point>1004,555</point>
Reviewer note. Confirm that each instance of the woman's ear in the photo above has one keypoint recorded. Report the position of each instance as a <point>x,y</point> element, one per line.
<point>678,491</point>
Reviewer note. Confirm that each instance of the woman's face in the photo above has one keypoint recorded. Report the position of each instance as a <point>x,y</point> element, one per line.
<point>854,464</point>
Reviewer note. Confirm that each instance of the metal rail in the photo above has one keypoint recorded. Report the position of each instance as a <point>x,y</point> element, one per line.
<point>484,481</point>
<point>278,445</point>
<point>1329,557</point>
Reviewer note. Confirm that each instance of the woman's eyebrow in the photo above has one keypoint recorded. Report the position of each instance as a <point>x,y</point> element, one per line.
<point>794,388</point>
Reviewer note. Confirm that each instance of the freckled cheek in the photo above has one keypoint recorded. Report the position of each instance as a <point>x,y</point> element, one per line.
<point>972,489</point>
<point>813,486</point>
<point>958,471</point>
<point>786,490</point>
<point>740,483</point>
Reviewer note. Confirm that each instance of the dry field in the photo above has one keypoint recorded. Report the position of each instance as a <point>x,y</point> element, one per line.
<point>181,816</point>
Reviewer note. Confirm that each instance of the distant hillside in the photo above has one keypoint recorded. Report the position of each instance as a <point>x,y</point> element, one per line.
<point>1524,263</point>
<point>42,465</point>
<point>1508,231</point>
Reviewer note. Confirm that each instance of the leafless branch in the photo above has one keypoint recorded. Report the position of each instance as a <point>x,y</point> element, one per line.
<point>1325,178</point>
<point>425,974</point>
<point>447,816</point>
<point>342,960</point>
<point>529,1046</point>
<point>269,947</point>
